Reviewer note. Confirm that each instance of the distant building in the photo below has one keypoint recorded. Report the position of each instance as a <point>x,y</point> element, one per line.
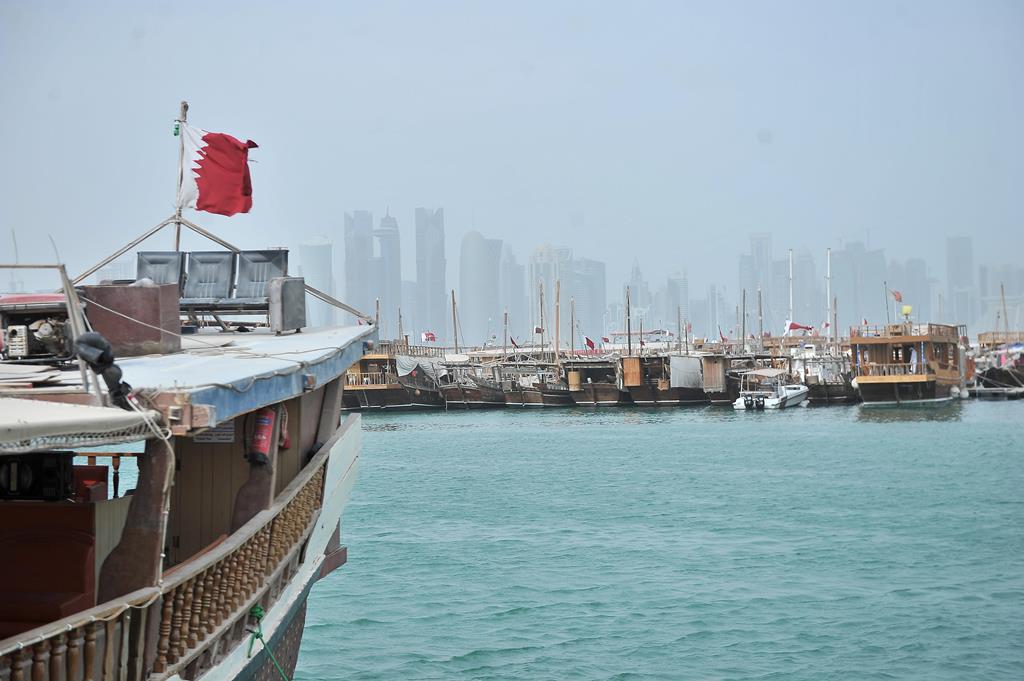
<point>547,265</point>
<point>479,303</point>
<point>431,312</point>
<point>677,302</point>
<point>316,265</point>
<point>389,274</point>
<point>585,284</point>
<point>513,295</point>
<point>961,294</point>
<point>359,275</point>
<point>858,284</point>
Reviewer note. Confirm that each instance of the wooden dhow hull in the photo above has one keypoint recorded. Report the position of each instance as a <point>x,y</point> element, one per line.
<point>537,397</point>
<point>651,395</point>
<point>906,393</point>
<point>600,395</point>
<point>457,396</point>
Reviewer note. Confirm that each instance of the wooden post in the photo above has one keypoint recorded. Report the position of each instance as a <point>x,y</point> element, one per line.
<point>572,325</point>
<point>679,327</point>
<point>760,322</point>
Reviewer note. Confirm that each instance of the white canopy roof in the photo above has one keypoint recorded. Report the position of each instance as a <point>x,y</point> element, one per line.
<point>30,425</point>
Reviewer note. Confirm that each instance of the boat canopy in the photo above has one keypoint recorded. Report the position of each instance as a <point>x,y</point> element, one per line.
<point>31,425</point>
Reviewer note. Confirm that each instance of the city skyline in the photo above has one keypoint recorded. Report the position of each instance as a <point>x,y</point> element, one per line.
<point>490,279</point>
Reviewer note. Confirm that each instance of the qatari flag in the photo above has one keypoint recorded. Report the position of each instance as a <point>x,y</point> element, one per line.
<point>215,173</point>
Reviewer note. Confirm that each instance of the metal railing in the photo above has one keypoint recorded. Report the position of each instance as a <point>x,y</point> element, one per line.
<point>906,329</point>
<point>393,347</point>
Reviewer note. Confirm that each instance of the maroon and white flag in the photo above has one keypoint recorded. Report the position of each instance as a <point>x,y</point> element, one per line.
<point>590,343</point>
<point>428,337</point>
<point>215,172</point>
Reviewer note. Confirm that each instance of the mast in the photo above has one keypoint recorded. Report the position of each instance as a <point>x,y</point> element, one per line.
<point>760,322</point>
<point>791,285</point>
<point>835,321</point>
<point>504,337</point>
<point>743,322</point>
<point>679,327</point>
<point>376,318</point>
<point>455,324</point>
<point>542,330</point>
<point>1006,318</point>
<point>558,319</point>
<point>629,329</point>
<point>180,132</point>
<point>828,290</point>
<point>572,325</point>
<point>401,334</point>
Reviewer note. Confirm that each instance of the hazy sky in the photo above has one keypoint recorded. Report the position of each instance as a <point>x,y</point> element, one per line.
<point>674,128</point>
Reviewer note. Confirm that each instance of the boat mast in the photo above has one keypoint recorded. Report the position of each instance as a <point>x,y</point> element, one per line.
<point>743,322</point>
<point>455,324</point>
<point>828,289</point>
<point>679,327</point>
<point>629,328</point>
<point>1006,318</point>
<point>760,322</point>
<point>401,334</point>
<point>541,318</point>
<point>572,325</point>
<point>504,337</point>
<point>558,319</point>
<point>791,285</point>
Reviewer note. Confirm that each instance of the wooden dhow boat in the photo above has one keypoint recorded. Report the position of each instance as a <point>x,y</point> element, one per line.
<point>244,468</point>
<point>596,382</point>
<point>908,364</point>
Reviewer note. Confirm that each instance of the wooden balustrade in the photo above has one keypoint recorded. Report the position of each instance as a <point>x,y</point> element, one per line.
<point>198,605</point>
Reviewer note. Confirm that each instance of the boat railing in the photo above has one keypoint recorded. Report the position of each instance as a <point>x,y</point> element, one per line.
<point>198,611</point>
<point>916,369</point>
<point>370,378</point>
<point>402,348</point>
<point>904,329</point>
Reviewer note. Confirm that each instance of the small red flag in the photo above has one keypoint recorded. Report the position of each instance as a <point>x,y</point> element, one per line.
<point>590,343</point>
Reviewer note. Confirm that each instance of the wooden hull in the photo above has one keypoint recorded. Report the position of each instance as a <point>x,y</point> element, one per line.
<point>391,397</point>
<point>831,393</point>
<point>649,395</point>
<point>536,397</point>
<point>472,397</point>
<point>905,393</point>
<point>600,395</point>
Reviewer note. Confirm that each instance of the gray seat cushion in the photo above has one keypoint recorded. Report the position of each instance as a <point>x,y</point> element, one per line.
<point>255,269</point>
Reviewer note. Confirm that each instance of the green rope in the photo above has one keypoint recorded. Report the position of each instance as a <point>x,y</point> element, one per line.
<point>257,614</point>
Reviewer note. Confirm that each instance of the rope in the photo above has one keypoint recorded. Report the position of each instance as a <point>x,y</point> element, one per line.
<point>257,614</point>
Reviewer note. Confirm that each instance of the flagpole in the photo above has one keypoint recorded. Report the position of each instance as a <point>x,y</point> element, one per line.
<point>885,298</point>
<point>180,129</point>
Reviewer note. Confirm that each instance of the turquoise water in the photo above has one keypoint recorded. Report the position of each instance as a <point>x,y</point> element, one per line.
<point>684,543</point>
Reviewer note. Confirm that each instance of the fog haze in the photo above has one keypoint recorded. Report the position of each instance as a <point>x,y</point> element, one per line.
<point>659,132</point>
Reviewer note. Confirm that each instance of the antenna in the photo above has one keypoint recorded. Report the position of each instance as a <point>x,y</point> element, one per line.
<point>53,243</point>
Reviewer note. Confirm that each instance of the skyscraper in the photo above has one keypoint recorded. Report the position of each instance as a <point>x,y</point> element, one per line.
<point>513,295</point>
<point>316,265</point>
<point>360,280</point>
<point>479,289</point>
<point>960,299</point>
<point>547,264</point>
<point>389,274</point>
<point>431,298</point>
<point>584,283</point>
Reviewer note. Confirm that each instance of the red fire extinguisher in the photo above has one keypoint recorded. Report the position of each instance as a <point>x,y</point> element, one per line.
<point>262,434</point>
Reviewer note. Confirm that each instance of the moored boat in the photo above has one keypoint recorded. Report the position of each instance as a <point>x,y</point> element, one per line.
<point>664,380</point>
<point>244,467</point>
<point>908,364</point>
<point>595,382</point>
<point>769,389</point>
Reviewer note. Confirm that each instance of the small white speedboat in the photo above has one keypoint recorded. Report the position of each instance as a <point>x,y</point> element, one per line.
<point>767,389</point>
